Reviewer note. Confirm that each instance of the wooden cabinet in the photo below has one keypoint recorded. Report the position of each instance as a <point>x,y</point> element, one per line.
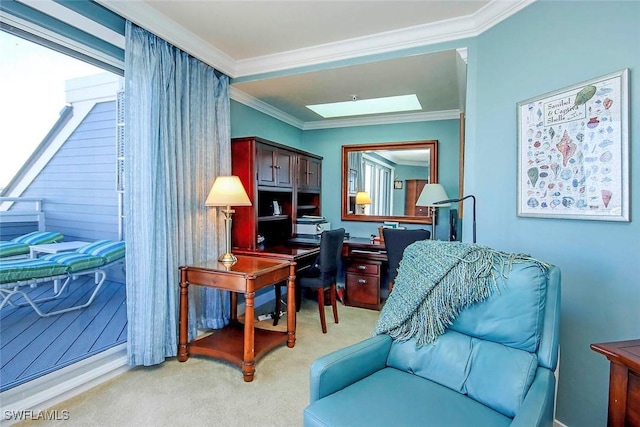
<point>268,171</point>
<point>624,382</point>
<point>366,273</point>
<point>363,283</point>
<point>413,189</point>
<point>275,166</point>
<point>309,173</point>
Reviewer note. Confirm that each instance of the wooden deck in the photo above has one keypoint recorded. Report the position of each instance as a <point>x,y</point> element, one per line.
<point>32,346</point>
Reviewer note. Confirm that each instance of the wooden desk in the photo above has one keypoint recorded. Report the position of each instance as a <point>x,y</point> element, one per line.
<point>237,344</point>
<point>366,272</point>
<point>624,382</point>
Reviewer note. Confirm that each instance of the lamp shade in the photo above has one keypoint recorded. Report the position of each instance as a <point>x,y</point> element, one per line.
<point>227,191</point>
<point>432,193</point>
<point>363,198</point>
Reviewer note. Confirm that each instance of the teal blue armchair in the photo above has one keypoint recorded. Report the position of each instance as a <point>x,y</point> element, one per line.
<point>493,367</point>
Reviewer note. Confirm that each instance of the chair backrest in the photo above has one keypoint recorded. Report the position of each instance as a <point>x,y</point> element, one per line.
<point>331,242</point>
<point>396,241</point>
<point>501,341</point>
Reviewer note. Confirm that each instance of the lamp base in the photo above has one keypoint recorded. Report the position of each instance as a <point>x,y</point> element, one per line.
<point>227,257</point>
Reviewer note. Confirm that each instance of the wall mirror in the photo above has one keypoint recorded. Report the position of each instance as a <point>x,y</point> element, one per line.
<point>381,182</point>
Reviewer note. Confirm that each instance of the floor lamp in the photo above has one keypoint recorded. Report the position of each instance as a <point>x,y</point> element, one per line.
<point>432,193</point>
<point>447,202</point>
<point>227,191</point>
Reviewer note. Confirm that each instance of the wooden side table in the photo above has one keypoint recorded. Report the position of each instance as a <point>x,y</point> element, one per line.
<point>239,344</point>
<point>624,382</point>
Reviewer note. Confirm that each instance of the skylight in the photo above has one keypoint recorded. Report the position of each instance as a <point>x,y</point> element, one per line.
<point>390,104</point>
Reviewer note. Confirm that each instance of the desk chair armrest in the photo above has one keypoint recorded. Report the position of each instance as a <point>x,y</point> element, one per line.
<point>346,366</point>
<point>537,407</point>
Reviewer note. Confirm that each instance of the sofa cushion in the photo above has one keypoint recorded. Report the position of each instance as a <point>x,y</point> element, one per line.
<point>39,238</point>
<point>75,261</point>
<point>500,376</point>
<point>110,250</point>
<point>25,269</point>
<point>513,314</point>
<point>390,397</point>
<point>446,361</point>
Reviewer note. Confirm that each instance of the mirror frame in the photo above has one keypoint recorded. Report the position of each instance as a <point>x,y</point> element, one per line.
<point>433,178</point>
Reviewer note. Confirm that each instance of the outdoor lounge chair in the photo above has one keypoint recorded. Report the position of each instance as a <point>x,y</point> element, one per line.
<point>19,247</point>
<point>92,259</point>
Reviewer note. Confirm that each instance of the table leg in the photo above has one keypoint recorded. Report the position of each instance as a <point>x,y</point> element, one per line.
<point>291,306</point>
<point>183,333</point>
<point>248,359</point>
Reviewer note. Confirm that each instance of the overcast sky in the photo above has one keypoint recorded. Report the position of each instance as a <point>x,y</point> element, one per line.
<point>31,97</point>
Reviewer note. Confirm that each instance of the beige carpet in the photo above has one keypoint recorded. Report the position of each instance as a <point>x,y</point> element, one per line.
<point>208,392</point>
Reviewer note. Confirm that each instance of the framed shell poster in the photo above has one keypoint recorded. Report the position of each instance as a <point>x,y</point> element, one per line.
<point>573,152</point>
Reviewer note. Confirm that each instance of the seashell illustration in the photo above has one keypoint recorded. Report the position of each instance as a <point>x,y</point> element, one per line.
<point>582,189</point>
<point>532,202</point>
<point>537,144</point>
<point>567,147</point>
<point>545,167</point>
<point>543,205</point>
<point>552,132</point>
<point>607,103</point>
<point>555,202</point>
<point>542,184</point>
<point>606,179</point>
<point>551,185</point>
<point>532,173</point>
<point>544,174</point>
<point>566,174</point>
<point>567,202</point>
<point>574,183</point>
<point>555,168</point>
<point>605,170</point>
<point>606,156</point>
<point>593,122</point>
<point>581,204</point>
<point>580,136</point>
<point>604,90</point>
<point>605,143</point>
<point>585,94</point>
<point>606,197</point>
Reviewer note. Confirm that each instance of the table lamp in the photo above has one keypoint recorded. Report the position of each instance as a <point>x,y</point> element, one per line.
<point>227,191</point>
<point>362,199</point>
<point>432,193</point>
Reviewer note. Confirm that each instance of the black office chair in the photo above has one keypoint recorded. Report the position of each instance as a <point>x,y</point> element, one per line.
<point>322,275</point>
<point>396,241</point>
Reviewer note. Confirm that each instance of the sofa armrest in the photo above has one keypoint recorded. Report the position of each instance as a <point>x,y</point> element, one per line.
<point>537,407</point>
<point>343,367</point>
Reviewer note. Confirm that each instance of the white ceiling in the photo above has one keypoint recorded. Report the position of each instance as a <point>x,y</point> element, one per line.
<point>249,39</point>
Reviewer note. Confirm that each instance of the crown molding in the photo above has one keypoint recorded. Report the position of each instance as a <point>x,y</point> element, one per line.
<point>422,35</point>
<point>149,18</point>
<point>263,107</point>
<point>386,119</point>
<point>381,43</point>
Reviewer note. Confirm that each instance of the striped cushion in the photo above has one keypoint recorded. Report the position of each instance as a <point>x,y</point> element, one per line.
<point>24,269</point>
<point>39,238</point>
<point>75,261</point>
<point>13,249</point>
<point>110,250</point>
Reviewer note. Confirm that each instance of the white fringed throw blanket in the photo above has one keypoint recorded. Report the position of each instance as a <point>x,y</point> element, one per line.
<point>435,281</point>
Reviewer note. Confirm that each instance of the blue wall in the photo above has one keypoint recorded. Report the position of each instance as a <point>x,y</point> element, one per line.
<point>545,47</point>
<point>328,143</point>
<point>246,121</point>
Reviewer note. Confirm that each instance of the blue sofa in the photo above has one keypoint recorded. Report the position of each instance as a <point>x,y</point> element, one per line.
<point>494,366</point>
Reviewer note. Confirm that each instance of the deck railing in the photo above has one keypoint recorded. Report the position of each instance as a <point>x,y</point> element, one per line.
<point>22,213</point>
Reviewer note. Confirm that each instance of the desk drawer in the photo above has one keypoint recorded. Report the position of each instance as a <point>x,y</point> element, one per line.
<point>363,290</point>
<point>363,268</point>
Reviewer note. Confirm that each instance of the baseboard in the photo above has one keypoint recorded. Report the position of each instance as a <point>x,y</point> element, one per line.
<point>557,423</point>
<point>58,386</point>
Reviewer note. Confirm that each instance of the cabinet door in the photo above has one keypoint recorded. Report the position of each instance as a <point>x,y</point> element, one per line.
<point>284,168</point>
<point>309,173</point>
<point>266,163</point>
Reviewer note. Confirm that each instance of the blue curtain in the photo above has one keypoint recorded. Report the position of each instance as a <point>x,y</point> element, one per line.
<point>177,141</point>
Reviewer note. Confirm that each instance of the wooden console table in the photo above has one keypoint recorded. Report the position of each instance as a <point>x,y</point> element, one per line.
<point>239,344</point>
<point>624,382</point>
